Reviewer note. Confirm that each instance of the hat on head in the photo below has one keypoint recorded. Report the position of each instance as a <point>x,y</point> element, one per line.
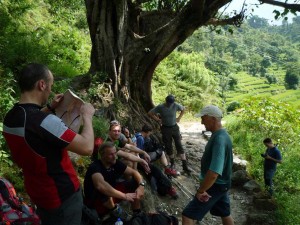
<point>210,110</point>
<point>170,99</point>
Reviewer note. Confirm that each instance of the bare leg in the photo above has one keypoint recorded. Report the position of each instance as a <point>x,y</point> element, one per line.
<point>228,220</point>
<point>135,204</point>
<point>182,156</point>
<point>187,221</point>
<point>163,159</point>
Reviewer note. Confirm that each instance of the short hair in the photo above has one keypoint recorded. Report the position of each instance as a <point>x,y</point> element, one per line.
<point>30,74</point>
<point>105,146</point>
<point>113,122</point>
<point>147,128</point>
<point>267,141</point>
<point>114,125</point>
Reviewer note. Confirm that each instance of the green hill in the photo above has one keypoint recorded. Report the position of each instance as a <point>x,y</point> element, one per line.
<point>249,86</point>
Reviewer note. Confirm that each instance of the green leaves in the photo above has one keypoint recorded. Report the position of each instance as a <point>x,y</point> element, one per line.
<point>260,118</point>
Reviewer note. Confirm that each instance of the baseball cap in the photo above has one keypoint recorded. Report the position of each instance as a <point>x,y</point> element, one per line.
<point>210,110</point>
<point>170,99</point>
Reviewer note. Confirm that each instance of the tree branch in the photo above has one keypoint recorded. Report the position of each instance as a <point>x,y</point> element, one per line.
<point>235,20</point>
<point>295,7</point>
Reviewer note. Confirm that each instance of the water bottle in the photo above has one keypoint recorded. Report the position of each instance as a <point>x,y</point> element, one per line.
<point>119,222</point>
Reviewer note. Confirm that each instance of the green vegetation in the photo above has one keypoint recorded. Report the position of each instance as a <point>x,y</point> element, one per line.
<point>261,118</point>
<point>253,61</point>
<point>210,67</point>
<point>185,76</point>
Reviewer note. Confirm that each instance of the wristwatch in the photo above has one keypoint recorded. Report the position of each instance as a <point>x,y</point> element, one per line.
<point>142,183</point>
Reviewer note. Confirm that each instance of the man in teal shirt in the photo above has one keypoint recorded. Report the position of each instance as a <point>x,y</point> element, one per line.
<point>215,176</point>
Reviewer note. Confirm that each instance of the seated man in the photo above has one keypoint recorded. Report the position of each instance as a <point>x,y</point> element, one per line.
<point>145,143</point>
<point>102,189</point>
<point>127,134</point>
<point>125,150</point>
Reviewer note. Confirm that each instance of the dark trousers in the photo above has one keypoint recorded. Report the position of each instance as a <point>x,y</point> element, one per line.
<point>168,135</point>
<point>268,177</point>
<point>68,213</point>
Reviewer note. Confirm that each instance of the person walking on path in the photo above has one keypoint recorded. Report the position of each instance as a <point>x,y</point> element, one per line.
<point>272,157</point>
<point>39,141</point>
<point>165,115</point>
<point>215,175</point>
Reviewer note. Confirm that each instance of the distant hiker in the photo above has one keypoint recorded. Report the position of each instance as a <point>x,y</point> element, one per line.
<point>165,115</point>
<point>215,175</point>
<point>156,152</point>
<point>39,141</point>
<point>272,157</point>
<point>104,184</point>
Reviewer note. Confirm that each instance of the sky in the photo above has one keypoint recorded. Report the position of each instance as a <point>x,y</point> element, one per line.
<point>264,11</point>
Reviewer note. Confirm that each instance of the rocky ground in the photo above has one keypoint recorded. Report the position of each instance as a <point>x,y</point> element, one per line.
<point>194,142</point>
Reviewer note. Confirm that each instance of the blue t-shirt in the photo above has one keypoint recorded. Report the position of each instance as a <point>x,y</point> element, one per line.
<point>274,153</point>
<point>218,157</point>
<point>140,141</point>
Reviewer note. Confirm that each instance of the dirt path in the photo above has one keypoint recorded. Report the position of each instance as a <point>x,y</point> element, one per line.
<point>194,143</point>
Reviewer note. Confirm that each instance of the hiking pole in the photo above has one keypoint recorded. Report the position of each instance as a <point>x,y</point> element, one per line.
<point>186,194</point>
<point>186,189</point>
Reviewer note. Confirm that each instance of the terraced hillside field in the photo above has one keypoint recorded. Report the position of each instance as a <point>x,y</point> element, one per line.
<point>249,86</point>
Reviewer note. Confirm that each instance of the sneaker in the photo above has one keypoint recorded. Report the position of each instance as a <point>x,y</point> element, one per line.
<point>173,193</point>
<point>118,212</point>
<point>170,172</point>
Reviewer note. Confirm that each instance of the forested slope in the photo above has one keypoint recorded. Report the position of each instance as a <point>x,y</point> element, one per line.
<point>256,51</point>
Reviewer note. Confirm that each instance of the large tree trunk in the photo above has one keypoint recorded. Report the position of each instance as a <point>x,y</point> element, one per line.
<point>128,44</point>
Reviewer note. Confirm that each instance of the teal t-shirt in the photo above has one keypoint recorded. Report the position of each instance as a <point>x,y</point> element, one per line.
<point>218,157</point>
<point>167,114</point>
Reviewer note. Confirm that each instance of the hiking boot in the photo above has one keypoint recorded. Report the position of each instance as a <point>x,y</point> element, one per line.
<point>173,193</point>
<point>185,167</point>
<point>170,172</point>
<point>118,212</point>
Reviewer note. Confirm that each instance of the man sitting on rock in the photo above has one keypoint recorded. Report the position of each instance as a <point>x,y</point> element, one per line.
<point>125,150</point>
<point>146,143</point>
<point>104,186</point>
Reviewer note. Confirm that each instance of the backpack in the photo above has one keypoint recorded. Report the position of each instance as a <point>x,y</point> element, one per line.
<point>159,218</point>
<point>152,145</point>
<point>13,210</point>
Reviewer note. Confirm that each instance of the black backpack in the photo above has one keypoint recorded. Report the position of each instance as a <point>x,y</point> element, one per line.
<point>160,218</point>
<point>152,145</point>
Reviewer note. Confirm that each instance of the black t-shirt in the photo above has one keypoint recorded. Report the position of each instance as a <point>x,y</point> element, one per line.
<point>110,175</point>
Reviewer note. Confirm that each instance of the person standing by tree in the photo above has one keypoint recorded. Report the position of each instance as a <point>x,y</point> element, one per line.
<point>165,115</point>
<point>39,141</point>
<point>272,157</point>
<point>215,176</point>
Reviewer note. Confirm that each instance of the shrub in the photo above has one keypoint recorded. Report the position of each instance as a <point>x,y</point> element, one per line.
<point>233,106</point>
<point>292,79</point>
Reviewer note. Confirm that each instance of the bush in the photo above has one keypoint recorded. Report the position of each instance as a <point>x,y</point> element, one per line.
<point>233,106</point>
<point>292,79</point>
<point>101,127</point>
<point>271,79</point>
